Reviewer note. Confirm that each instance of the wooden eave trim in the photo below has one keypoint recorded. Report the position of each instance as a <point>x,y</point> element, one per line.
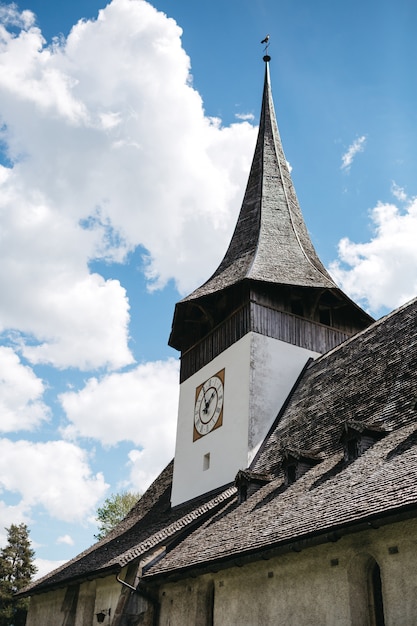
<point>329,535</point>
<point>73,580</point>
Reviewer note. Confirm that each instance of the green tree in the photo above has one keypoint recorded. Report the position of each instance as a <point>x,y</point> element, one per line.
<point>114,509</point>
<point>16,571</point>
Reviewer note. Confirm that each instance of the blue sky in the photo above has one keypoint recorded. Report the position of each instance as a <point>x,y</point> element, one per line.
<point>126,138</point>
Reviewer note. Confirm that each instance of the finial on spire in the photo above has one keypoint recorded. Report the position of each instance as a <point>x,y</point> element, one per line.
<point>265,41</point>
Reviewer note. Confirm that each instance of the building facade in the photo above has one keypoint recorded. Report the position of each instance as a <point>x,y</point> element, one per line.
<point>292,497</point>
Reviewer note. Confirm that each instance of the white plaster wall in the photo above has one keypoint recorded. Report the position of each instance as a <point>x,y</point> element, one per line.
<point>259,374</point>
<point>226,445</point>
<point>275,367</point>
<point>94,596</point>
<point>108,592</point>
<point>45,609</point>
<point>85,606</point>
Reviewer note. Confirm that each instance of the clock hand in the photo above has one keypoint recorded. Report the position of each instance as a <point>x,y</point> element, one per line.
<point>206,404</point>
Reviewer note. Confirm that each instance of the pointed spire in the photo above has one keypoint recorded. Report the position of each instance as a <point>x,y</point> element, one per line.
<point>270,242</point>
<point>270,256</point>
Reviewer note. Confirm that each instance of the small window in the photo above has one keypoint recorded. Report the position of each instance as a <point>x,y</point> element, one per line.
<point>376,601</point>
<point>248,482</point>
<point>291,474</point>
<point>357,438</point>
<point>352,450</point>
<point>296,463</point>
<point>243,493</point>
<point>206,461</point>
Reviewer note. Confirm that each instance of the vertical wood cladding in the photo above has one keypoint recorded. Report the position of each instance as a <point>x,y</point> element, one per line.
<point>265,321</point>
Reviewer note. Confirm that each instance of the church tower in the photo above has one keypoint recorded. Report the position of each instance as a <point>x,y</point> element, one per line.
<point>246,334</point>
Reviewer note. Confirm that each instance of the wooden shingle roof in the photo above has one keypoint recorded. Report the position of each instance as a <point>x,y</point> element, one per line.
<point>270,242</point>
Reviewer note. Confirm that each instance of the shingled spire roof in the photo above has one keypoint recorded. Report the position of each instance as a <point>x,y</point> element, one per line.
<point>270,252</point>
<point>270,242</point>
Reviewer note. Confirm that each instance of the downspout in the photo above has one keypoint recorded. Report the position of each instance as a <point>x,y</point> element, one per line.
<point>142,590</point>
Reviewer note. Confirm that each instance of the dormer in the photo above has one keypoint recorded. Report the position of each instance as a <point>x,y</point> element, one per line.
<point>248,482</point>
<point>357,437</point>
<point>296,463</point>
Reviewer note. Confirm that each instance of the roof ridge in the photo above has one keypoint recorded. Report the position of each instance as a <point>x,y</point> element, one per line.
<point>175,526</point>
<point>277,141</point>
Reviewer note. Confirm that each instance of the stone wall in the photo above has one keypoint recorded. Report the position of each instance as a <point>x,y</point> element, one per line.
<point>78,605</point>
<point>323,585</point>
<point>326,585</point>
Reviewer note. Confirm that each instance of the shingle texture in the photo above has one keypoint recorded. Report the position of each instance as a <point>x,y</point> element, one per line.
<point>270,242</point>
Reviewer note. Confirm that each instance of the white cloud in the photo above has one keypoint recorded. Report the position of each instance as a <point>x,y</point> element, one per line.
<point>142,467</point>
<point>11,16</point>
<point>382,272</point>
<point>67,539</point>
<point>55,475</point>
<point>11,514</point>
<point>398,192</point>
<point>111,149</point>
<point>357,146</point>
<point>44,566</point>
<point>249,117</point>
<point>138,406</point>
<point>21,405</point>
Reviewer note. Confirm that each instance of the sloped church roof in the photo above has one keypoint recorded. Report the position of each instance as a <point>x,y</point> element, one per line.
<point>371,379</point>
<point>366,385</point>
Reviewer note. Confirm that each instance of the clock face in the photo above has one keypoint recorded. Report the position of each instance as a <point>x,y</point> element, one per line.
<point>208,408</point>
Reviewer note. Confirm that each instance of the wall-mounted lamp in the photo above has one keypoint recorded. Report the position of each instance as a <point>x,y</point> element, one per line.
<point>100,616</point>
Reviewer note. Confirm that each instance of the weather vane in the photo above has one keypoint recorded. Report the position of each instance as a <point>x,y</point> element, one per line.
<point>266,42</point>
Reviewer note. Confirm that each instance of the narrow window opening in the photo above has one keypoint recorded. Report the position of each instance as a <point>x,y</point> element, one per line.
<point>206,461</point>
<point>296,463</point>
<point>210,604</point>
<point>243,493</point>
<point>376,601</point>
<point>291,471</point>
<point>352,449</point>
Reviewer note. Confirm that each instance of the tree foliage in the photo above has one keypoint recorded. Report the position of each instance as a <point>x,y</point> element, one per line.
<point>114,509</point>
<point>16,571</point>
